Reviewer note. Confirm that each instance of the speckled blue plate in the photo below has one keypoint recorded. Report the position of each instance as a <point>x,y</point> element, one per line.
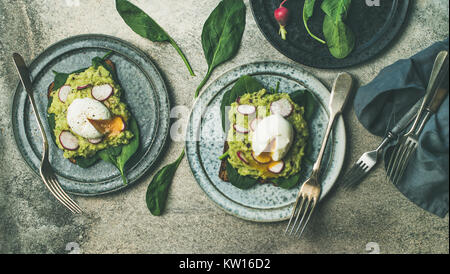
<point>205,140</point>
<point>145,94</point>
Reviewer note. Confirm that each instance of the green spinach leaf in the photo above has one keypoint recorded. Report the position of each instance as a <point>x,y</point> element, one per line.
<point>88,161</point>
<point>340,38</point>
<point>288,183</point>
<point>221,38</point>
<point>222,35</point>
<point>158,188</point>
<point>306,99</point>
<point>245,84</point>
<point>129,149</point>
<point>119,155</point>
<point>60,79</point>
<point>146,27</point>
<point>308,11</point>
<point>239,181</point>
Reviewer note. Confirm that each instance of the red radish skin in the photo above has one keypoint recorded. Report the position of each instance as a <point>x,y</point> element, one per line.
<point>240,129</point>
<point>102,92</point>
<point>82,87</point>
<point>68,140</point>
<point>246,109</point>
<point>64,92</point>
<point>281,14</point>
<point>282,107</point>
<point>276,167</point>
<point>241,157</point>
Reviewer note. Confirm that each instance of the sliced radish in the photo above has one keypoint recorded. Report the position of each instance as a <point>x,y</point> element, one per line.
<point>102,92</point>
<point>282,107</point>
<point>241,157</point>
<point>246,109</point>
<point>254,123</point>
<point>68,140</point>
<point>240,129</point>
<point>276,167</point>
<point>95,140</point>
<point>63,93</point>
<point>263,158</point>
<point>82,87</point>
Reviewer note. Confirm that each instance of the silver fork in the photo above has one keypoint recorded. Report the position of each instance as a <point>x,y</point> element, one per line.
<point>46,171</point>
<point>432,100</point>
<point>310,191</point>
<point>369,159</point>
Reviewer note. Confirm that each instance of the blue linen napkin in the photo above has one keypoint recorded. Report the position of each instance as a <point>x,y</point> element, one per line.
<point>381,103</point>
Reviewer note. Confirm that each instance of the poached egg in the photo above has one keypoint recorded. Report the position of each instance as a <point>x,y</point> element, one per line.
<point>274,135</point>
<point>78,113</point>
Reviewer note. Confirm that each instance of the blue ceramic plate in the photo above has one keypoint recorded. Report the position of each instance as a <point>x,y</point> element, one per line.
<point>205,140</point>
<point>145,94</point>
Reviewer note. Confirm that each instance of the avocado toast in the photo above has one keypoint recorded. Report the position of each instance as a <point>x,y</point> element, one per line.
<point>89,118</point>
<point>267,134</point>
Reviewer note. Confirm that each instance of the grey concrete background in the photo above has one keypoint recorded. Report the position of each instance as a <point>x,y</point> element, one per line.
<point>33,222</point>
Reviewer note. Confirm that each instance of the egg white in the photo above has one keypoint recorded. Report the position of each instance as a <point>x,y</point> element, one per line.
<point>78,113</point>
<point>273,134</point>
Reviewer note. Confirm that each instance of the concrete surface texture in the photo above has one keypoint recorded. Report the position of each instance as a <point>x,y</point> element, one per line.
<point>31,220</point>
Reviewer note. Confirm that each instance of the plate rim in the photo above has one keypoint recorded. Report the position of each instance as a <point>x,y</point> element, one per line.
<point>166,99</point>
<point>190,145</point>
<point>392,36</point>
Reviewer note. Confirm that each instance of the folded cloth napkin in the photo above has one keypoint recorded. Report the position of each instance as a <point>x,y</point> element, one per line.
<point>381,103</point>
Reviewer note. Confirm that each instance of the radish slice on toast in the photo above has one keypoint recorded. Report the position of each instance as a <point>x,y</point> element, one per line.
<point>276,167</point>
<point>240,129</point>
<point>64,92</point>
<point>95,140</point>
<point>282,107</point>
<point>246,109</point>
<point>241,157</point>
<point>68,140</point>
<point>102,92</point>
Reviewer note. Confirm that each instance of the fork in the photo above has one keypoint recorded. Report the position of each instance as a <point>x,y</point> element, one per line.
<point>369,159</point>
<point>408,143</point>
<point>46,171</point>
<point>310,191</point>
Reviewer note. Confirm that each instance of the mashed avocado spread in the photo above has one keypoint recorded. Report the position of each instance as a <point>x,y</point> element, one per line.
<point>241,142</point>
<point>89,78</point>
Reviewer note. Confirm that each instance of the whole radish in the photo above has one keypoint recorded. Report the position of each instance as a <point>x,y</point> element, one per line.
<point>281,15</point>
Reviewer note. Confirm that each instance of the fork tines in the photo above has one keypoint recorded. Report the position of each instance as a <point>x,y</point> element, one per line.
<point>400,158</point>
<point>296,212</point>
<point>354,175</point>
<point>52,184</point>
